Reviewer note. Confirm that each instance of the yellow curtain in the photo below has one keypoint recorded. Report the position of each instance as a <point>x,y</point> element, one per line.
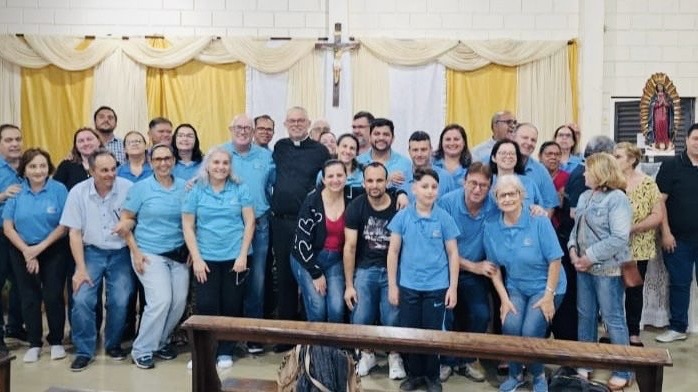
<point>573,63</point>
<point>472,97</point>
<point>204,95</point>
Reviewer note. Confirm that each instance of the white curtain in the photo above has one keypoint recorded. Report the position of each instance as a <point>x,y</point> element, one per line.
<point>266,94</point>
<point>10,93</point>
<point>417,102</point>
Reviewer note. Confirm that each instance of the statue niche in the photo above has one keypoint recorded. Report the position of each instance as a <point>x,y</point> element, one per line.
<point>660,112</point>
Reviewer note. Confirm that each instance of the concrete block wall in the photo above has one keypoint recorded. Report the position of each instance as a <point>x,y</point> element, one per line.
<point>643,37</point>
<point>263,18</point>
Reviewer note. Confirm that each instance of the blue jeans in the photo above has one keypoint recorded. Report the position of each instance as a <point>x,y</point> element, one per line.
<point>371,284</point>
<point>528,322</point>
<point>422,309</point>
<point>253,305</point>
<point>166,283</point>
<point>114,266</point>
<point>605,294</point>
<point>473,308</point>
<point>328,307</point>
<point>679,265</point>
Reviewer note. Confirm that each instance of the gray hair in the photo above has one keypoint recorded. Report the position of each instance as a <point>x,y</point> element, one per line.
<point>202,176</point>
<point>98,153</point>
<point>509,180</point>
<point>599,144</point>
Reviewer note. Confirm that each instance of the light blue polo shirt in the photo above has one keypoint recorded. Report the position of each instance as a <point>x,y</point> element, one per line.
<point>158,213</point>
<point>257,170</point>
<point>8,176</point>
<point>423,261</point>
<point>219,223</point>
<point>96,216</point>
<point>541,177</point>
<point>571,164</point>
<point>396,162</point>
<point>186,171</point>
<point>482,152</point>
<point>446,183</point>
<point>532,195</point>
<point>471,244</point>
<point>458,175</point>
<point>526,250</point>
<point>36,215</point>
<point>124,171</point>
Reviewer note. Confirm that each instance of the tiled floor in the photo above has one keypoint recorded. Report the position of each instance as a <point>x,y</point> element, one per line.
<point>107,375</point>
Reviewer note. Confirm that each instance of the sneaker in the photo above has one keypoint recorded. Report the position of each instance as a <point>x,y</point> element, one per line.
<point>434,385</point>
<point>117,353</point>
<point>166,353</point>
<point>224,362</point>
<point>473,371</point>
<point>670,336</point>
<point>396,369</point>
<point>80,363</point>
<point>57,352</point>
<point>540,384</point>
<point>412,384</point>
<point>254,348</point>
<point>144,362</point>
<point>32,355</point>
<point>190,364</point>
<point>511,384</point>
<point>445,372</point>
<point>366,363</point>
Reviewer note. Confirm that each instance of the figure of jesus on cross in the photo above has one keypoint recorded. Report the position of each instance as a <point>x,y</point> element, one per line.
<point>338,48</point>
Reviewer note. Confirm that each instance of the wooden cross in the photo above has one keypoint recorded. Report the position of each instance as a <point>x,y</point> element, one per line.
<point>338,48</point>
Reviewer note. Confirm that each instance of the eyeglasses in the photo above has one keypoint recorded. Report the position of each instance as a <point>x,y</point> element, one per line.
<point>508,122</point>
<point>240,128</point>
<point>133,142</point>
<point>186,136</point>
<point>162,159</point>
<point>564,135</point>
<point>297,121</point>
<point>506,153</point>
<point>359,126</point>
<point>264,129</point>
<point>508,195</point>
<point>475,184</point>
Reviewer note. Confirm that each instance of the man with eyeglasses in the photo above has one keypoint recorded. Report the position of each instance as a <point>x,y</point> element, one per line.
<point>255,167</point>
<point>503,125</point>
<point>361,128</point>
<point>298,160</point>
<point>318,127</point>
<point>105,123</point>
<point>470,206</point>
<point>526,136</point>
<point>263,130</point>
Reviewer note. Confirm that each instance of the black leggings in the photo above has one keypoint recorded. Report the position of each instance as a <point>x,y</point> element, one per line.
<point>633,302</point>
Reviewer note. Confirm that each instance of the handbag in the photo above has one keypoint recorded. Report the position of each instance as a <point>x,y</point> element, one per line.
<point>631,274</point>
<point>318,369</point>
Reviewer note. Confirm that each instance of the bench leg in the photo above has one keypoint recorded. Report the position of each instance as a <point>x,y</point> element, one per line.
<point>204,375</point>
<point>649,378</point>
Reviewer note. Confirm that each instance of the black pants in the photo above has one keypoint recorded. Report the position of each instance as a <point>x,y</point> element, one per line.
<point>633,302</point>
<point>564,324</point>
<point>14,308</point>
<point>286,286</point>
<point>220,295</point>
<point>422,309</point>
<point>48,286</point>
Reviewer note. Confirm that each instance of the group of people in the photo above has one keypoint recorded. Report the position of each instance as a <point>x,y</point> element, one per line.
<point>363,233</point>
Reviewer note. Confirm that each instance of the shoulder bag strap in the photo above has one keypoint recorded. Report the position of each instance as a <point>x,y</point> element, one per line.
<point>315,382</point>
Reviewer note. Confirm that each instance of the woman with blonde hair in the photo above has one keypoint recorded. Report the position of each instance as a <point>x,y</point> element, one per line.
<point>598,246</point>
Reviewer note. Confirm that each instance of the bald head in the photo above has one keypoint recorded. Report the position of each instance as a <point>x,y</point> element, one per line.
<point>526,136</point>
<point>503,125</point>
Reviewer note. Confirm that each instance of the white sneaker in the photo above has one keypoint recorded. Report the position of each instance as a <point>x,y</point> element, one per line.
<point>57,352</point>
<point>445,372</point>
<point>224,362</point>
<point>32,355</point>
<point>190,365</point>
<point>366,363</point>
<point>396,369</point>
<point>670,336</point>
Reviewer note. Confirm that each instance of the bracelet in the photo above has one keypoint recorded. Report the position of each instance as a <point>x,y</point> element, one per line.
<point>548,289</point>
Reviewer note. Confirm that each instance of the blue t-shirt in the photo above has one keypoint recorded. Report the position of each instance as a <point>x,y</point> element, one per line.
<point>186,171</point>
<point>446,183</point>
<point>526,250</point>
<point>8,176</point>
<point>219,222</point>
<point>125,172</point>
<point>423,261</point>
<point>457,176</point>
<point>36,215</point>
<point>532,193</point>
<point>396,162</point>
<point>541,177</point>
<point>471,244</point>
<point>571,164</point>
<point>158,213</point>
<point>257,170</point>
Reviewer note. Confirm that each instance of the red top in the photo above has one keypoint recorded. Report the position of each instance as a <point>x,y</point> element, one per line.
<point>334,241</point>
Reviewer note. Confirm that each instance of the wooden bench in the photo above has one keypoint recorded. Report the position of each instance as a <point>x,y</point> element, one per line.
<point>648,363</point>
<point>5,367</point>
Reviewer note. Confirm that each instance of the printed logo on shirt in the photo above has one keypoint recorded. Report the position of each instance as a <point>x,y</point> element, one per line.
<point>436,233</point>
<point>528,241</point>
<point>51,210</point>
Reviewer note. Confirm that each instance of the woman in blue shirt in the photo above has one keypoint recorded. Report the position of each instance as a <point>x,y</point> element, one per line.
<point>506,158</point>
<point>423,237</point>
<point>452,154</point>
<point>566,137</point>
<point>40,250</point>
<point>158,256</point>
<point>136,167</point>
<point>219,222</point>
<point>187,152</point>
<point>527,247</point>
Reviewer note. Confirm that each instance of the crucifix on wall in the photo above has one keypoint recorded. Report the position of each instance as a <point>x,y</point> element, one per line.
<point>338,47</point>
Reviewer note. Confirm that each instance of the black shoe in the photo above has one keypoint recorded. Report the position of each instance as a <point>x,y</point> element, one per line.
<point>80,363</point>
<point>20,334</point>
<point>282,348</point>
<point>166,353</point>
<point>412,384</point>
<point>254,348</point>
<point>4,351</point>
<point>605,340</point>
<point>434,385</point>
<point>144,362</point>
<point>117,353</point>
